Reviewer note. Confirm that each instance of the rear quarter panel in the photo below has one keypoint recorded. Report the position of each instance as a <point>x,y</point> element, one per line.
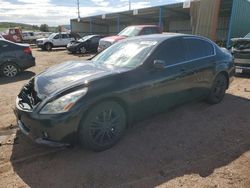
<point>224,63</point>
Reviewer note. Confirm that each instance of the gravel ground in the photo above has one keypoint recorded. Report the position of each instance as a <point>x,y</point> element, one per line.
<point>195,145</point>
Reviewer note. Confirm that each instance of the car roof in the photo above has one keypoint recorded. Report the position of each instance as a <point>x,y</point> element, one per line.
<point>3,39</point>
<point>164,36</point>
<point>142,26</point>
<point>63,33</point>
<point>90,35</point>
<point>157,37</point>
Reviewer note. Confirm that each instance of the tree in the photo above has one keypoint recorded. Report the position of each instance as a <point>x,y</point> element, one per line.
<point>35,27</point>
<point>44,27</point>
<point>59,28</point>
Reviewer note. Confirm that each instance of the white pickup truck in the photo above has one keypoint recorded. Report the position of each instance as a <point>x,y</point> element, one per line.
<point>55,40</point>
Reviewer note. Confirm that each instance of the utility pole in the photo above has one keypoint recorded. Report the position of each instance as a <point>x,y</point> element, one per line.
<point>129,4</point>
<point>78,11</point>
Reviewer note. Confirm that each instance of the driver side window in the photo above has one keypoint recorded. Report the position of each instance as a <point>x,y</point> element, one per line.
<point>57,36</point>
<point>172,51</point>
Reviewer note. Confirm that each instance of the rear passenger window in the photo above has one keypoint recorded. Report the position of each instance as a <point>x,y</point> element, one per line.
<point>65,36</point>
<point>150,30</point>
<point>198,48</point>
<point>155,30</point>
<point>172,51</point>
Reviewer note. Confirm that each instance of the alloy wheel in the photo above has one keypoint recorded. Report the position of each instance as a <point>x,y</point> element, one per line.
<point>82,50</point>
<point>10,70</point>
<point>219,88</point>
<point>104,127</point>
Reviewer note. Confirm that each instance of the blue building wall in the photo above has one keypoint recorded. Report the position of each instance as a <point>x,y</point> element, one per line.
<point>240,19</point>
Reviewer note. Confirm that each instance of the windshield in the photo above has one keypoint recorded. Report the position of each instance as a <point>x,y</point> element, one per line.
<point>85,38</point>
<point>128,54</point>
<point>130,31</point>
<point>52,35</point>
<point>247,36</point>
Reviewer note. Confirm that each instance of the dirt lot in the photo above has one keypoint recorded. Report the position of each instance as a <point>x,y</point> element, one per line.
<point>196,145</point>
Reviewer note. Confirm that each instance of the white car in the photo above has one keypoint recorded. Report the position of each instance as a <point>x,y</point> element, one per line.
<point>55,40</point>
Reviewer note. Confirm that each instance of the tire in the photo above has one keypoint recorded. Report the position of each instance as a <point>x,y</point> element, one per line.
<point>103,126</point>
<point>9,70</point>
<point>48,46</point>
<point>218,89</point>
<point>82,50</point>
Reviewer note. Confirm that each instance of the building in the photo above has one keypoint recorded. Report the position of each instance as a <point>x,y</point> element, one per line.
<point>219,20</point>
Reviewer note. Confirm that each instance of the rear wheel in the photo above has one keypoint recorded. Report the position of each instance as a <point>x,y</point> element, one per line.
<point>9,70</point>
<point>218,89</point>
<point>103,126</point>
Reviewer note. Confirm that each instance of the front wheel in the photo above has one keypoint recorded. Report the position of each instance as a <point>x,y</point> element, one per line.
<point>103,126</point>
<point>48,46</point>
<point>218,89</point>
<point>82,50</point>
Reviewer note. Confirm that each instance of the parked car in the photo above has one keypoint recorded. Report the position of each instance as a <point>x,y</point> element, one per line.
<point>241,53</point>
<point>13,34</point>
<point>130,31</point>
<point>55,40</point>
<point>14,58</point>
<point>94,101</point>
<point>31,37</point>
<point>88,43</point>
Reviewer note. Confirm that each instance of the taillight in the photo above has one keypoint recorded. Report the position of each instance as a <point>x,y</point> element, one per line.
<point>27,50</point>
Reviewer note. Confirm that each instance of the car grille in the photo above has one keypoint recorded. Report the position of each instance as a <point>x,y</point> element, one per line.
<point>242,64</point>
<point>242,54</point>
<point>28,97</point>
<point>39,42</point>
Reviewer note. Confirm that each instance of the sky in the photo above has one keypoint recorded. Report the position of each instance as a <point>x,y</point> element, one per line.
<point>59,12</point>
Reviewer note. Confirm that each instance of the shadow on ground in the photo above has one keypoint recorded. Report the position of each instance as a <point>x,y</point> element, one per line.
<point>243,75</point>
<point>53,50</point>
<point>89,55</point>
<point>195,138</point>
<point>25,75</point>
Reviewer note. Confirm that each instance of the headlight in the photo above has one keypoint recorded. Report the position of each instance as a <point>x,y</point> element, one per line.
<point>64,103</point>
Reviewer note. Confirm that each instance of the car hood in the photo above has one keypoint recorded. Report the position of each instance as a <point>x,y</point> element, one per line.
<point>114,38</point>
<point>74,43</point>
<point>42,39</point>
<point>241,43</point>
<point>68,75</point>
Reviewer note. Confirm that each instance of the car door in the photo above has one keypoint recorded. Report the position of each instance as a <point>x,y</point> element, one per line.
<point>166,87</point>
<point>57,40</point>
<point>94,42</point>
<point>7,51</point>
<point>2,50</point>
<point>66,39</point>
<point>201,56</point>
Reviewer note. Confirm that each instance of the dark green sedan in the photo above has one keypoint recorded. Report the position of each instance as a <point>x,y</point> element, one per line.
<point>93,102</point>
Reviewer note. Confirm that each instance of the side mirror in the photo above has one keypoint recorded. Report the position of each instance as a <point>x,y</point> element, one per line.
<point>159,64</point>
